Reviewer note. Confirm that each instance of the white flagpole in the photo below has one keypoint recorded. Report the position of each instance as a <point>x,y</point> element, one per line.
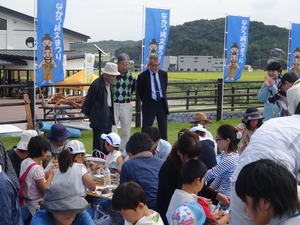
<point>289,42</point>
<point>143,36</point>
<point>34,60</point>
<point>224,62</point>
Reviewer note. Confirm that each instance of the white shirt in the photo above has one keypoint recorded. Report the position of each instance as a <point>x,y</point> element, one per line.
<point>72,175</point>
<point>277,139</point>
<point>209,135</point>
<point>153,219</point>
<point>112,158</point>
<point>179,197</point>
<point>293,96</point>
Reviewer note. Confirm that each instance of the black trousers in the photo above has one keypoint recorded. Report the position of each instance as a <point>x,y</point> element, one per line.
<point>157,109</point>
<point>98,142</point>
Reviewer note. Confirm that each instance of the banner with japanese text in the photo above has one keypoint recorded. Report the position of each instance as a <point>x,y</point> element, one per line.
<point>89,67</point>
<point>236,47</point>
<point>294,54</point>
<point>50,43</point>
<point>156,34</point>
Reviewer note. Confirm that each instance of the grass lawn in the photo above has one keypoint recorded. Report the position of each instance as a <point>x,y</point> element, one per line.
<point>173,128</point>
<point>256,75</point>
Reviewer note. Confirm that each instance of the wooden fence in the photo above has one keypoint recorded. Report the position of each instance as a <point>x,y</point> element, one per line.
<point>207,96</point>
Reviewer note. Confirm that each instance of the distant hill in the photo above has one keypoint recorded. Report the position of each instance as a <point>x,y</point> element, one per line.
<point>204,37</point>
<point>107,46</point>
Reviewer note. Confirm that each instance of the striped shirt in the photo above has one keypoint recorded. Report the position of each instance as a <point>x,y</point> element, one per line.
<point>222,172</point>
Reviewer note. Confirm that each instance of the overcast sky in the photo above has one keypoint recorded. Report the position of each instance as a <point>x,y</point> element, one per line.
<point>123,19</point>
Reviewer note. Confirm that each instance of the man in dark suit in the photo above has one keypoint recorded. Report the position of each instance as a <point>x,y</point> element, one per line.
<point>98,105</point>
<point>152,90</point>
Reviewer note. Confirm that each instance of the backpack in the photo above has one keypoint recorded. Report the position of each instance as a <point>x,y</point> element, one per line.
<point>22,182</point>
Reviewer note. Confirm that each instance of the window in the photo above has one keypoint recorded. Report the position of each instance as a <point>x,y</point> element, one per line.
<point>196,70</point>
<point>195,57</point>
<point>3,24</point>
<point>29,42</point>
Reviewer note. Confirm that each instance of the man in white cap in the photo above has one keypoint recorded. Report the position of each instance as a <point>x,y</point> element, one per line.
<point>98,105</point>
<point>18,153</point>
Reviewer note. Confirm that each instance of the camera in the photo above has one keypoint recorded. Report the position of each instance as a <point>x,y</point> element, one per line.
<point>276,97</point>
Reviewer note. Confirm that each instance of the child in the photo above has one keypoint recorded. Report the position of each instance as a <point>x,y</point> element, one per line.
<point>35,183</point>
<point>62,205</point>
<point>192,177</point>
<point>251,122</point>
<point>72,170</point>
<point>227,140</point>
<point>269,192</point>
<point>189,213</point>
<point>130,200</point>
<point>112,143</point>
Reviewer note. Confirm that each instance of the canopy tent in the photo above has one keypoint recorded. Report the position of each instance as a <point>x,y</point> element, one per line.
<point>77,78</point>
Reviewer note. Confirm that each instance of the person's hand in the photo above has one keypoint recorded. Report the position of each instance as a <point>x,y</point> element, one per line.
<point>269,82</point>
<point>223,198</point>
<point>240,128</point>
<point>217,214</point>
<point>266,81</point>
<point>51,170</point>
<point>207,200</point>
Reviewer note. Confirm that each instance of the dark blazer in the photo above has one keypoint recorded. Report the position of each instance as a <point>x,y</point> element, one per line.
<point>144,86</point>
<point>96,107</point>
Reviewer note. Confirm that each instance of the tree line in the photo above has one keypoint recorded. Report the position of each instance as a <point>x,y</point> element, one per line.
<point>204,37</point>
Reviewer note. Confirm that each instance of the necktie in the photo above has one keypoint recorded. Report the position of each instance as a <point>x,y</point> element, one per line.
<point>156,87</point>
<point>107,86</point>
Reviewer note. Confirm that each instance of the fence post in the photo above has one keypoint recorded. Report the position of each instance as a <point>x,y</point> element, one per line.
<point>31,98</point>
<point>220,99</point>
<point>247,96</point>
<point>138,115</point>
<point>196,99</point>
<point>187,100</point>
<point>232,99</point>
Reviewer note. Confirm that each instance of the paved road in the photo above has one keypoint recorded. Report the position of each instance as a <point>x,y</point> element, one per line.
<point>11,113</point>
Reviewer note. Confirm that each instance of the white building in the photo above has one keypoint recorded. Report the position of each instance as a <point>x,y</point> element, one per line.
<point>16,47</point>
<point>217,64</point>
<point>188,63</point>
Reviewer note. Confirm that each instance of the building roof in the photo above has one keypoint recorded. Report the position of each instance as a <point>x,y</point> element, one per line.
<point>30,19</point>
<point>16,57</point>
<point>5,62</point>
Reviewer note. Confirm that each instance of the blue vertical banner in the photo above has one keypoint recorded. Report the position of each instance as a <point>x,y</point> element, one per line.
<point>50,42</point>
<point>157,27</point>
<point>236,47</point>
<point>294,54</point>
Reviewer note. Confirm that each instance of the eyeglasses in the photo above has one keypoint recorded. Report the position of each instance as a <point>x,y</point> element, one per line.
<point>155,65</point>
<point>219,139</point>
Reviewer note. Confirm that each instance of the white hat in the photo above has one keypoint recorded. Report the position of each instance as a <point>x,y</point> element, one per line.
<point>75,147</point>
<point>111,69</point>
<point>112,139</point>
<point>25,138</point>
<point>198,128</point>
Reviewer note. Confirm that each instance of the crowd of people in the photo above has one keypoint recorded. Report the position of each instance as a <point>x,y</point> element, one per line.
<point>45,180</point>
